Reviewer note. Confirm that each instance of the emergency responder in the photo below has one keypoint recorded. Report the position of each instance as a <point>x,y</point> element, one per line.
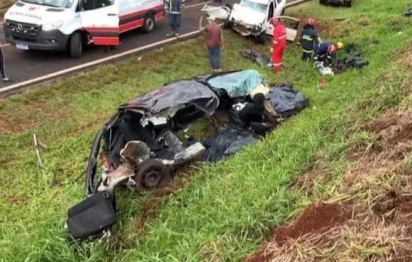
<point>3,66</point>
<point>278,44</point>
<point>309,40</point>
<point>326,52</point>
<point>174,8</point>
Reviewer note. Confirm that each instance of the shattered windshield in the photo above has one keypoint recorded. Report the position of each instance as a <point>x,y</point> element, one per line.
<point>253,5</point>
<point>51,3</point>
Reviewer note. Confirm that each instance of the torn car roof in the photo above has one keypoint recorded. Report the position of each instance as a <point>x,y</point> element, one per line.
<point>176,94</point>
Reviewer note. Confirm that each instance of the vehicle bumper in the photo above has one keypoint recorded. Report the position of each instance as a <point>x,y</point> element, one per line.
<point>45,40</point>
<point>246,30</point>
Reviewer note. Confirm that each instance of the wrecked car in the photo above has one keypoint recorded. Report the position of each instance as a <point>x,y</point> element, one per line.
<point>251,18</point>
<point>141,136</point>
<point>139,146</point>
<point>347,3</point>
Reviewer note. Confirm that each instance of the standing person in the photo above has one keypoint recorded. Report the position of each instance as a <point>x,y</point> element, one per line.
<point>214,41</point>
<point>326,52</point>
<point>174,9</point>
<point>278,44</point>
<point>3,66</point>
<point>309,40</point>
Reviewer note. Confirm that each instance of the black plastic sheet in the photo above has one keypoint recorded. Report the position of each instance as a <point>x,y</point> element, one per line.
<point>226,142</point>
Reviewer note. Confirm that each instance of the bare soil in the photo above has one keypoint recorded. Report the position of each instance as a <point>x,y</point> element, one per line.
<point>375,224</point>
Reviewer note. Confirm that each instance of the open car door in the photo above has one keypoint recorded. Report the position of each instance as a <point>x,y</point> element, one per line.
<point>100,18</point>
<point>292,27</point>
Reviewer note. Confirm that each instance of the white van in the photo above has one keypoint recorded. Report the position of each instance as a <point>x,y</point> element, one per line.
<point>67,25</point>
<point>251,17</point>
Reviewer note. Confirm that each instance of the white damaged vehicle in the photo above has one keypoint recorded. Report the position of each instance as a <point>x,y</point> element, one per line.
<point>251,18</point>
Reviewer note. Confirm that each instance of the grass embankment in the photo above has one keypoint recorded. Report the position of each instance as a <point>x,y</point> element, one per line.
<point>226,209</point>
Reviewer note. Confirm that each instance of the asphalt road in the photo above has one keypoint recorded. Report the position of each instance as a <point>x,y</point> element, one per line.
<point>22,65</point>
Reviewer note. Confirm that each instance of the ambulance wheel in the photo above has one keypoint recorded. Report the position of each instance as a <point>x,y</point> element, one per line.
<point>262,38</point>
<point>149,23</point>
<point>75,45</point>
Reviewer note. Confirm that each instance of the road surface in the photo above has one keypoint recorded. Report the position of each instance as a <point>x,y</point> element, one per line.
<point>22,65</point>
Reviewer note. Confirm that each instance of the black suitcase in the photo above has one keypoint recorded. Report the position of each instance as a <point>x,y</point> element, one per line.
<point>92,216</point>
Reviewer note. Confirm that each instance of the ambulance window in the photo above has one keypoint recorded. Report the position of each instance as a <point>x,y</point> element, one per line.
<point>96,4</point>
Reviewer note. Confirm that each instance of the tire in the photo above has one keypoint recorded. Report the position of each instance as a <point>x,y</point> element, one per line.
<point>75,45</point>
<point>262,38</point>
<point>151,174</point>
<point>149,23</point>
<point>283,12</point>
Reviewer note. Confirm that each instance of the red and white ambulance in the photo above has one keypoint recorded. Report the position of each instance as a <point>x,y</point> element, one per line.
<point>68,25</point>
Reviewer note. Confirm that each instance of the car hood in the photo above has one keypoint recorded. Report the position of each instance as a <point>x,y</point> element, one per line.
<point>247,15</point>
<point>34,14</point>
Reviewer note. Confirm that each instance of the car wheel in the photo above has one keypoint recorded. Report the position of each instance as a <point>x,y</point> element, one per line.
<point>75,45</point>
<point>149,23</point>
<point>262,38</point>
<point>349,3</point>
<point>151,174</point>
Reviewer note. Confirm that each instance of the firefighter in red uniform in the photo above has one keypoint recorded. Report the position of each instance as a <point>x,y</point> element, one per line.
<point>278,44</point>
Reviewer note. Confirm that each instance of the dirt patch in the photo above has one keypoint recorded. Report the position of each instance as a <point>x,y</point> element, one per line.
<point>309,223</point>
<point>15,200</point>
<point>375,224</point>
<point>9,127</point>
<point>406,59</point>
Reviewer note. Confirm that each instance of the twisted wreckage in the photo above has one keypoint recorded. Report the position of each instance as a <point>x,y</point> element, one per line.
<point>140,144</point>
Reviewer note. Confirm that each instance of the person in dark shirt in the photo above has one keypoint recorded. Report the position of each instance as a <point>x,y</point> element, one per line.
<point>3,66</point>
<point>174,8</point>
<point>309,40</point>
<point>214,41</point>
<point>326,52</point>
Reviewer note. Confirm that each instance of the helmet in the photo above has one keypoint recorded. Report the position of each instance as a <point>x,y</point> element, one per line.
<point>274,21</point>
<point>311,21</point>
<point>339,45</point>
<point>331,49</point>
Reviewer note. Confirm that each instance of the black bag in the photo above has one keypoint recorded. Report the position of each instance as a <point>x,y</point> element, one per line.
<point>92,216</point>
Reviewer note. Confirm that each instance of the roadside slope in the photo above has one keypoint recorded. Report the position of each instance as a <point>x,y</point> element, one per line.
<point>224,211</point>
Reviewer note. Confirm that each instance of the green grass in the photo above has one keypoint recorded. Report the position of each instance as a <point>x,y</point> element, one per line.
<point>226,209</point>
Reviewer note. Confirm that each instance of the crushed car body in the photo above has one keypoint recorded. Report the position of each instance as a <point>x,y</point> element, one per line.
<point>142,132</point>
<point>139,146</point>
<point>251,18</point>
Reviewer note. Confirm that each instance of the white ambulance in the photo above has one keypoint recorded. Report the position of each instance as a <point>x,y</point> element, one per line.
<point>68,25</point>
